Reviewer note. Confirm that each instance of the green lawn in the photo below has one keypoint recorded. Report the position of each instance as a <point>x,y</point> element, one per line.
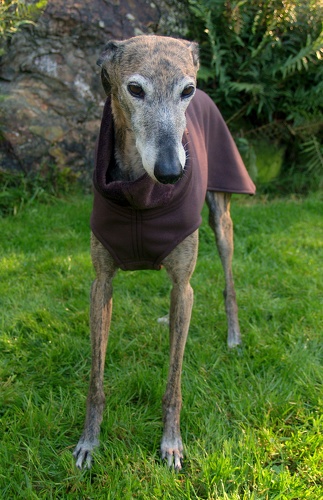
<point>252,419</point>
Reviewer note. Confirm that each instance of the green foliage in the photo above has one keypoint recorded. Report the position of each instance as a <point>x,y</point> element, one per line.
<point>252,419</point>
<point>17,13</point>
<point>262,63</point>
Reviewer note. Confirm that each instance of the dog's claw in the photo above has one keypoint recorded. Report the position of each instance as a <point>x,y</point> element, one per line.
<point>173,454</point>
<point>84,460</point>
<point>174,460</point>
<point>83,454</point>
<point>178,463</point>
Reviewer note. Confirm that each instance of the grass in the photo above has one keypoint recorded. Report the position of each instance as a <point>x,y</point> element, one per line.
<point>252,419</point>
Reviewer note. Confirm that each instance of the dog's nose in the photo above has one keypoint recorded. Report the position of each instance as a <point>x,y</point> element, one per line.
<point>167,172</point>
<point>168,178</point>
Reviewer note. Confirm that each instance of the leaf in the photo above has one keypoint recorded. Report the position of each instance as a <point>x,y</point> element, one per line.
<point>313,152</point>
<point>300,61</point>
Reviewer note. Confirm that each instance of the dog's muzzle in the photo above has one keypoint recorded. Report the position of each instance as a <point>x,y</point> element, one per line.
<point>168,169</point>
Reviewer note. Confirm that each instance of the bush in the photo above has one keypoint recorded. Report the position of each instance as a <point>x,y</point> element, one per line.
<point>14,14</point>
<point>262,60</point>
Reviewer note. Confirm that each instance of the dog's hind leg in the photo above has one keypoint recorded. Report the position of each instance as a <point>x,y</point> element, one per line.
<point>179,265</point>
<point>100,316</point>
<point>221,223</point>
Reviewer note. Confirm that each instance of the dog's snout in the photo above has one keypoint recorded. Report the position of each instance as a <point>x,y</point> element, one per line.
<point>168,174</point>
<point>168,169</point>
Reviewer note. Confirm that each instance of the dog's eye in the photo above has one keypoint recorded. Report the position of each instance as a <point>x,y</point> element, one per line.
<point>136,90</point>
<point>188,91</point>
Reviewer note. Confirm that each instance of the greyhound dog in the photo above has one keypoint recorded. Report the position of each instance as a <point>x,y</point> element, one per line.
<point>151,80</point>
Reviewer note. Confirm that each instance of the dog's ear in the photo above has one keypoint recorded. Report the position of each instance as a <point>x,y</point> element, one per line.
<point>109,53</point>
<point>112,50</point>
<point>194,48</point>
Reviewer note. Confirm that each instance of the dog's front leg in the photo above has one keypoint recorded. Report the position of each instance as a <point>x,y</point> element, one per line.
<point>100,317</point>
<point>180,265</point>
<point>221,223</point>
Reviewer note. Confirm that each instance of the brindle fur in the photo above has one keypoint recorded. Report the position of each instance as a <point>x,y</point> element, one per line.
<point>163,67</point>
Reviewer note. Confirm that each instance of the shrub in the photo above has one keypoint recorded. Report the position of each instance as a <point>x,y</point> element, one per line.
<point>262,60</point>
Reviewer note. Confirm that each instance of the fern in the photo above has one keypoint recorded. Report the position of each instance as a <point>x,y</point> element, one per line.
<point>262,63</point>
<point>313,151</point>
<point>311,53</point>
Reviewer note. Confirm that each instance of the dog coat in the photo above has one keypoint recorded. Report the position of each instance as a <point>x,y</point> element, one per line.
<point>140,222</point>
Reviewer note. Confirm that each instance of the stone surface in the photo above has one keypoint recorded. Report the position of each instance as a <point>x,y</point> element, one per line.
<point>51,96</point>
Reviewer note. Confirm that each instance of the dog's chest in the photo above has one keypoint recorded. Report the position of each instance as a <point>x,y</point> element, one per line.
<point>142,221</point>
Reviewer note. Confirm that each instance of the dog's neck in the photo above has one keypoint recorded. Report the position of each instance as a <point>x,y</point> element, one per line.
<point>128,160</point>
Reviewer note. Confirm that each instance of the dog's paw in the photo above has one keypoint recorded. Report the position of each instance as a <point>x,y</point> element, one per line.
<point>172,451</point>
<point>164,320</point>
<point>83,453</point>
<point>234,339</point>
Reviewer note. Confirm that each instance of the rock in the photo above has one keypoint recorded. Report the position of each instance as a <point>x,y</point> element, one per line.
<point>50,89</point>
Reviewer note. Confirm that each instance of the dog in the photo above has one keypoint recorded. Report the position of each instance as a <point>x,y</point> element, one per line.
<point>142,169</point>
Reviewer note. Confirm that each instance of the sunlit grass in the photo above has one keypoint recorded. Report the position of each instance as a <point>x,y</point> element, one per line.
<point>251,419</point>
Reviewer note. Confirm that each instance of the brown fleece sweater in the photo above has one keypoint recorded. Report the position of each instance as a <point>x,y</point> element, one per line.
<point>141,222</point>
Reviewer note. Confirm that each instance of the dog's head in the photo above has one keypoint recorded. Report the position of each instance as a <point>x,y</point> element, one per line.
<point>151,80</point>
